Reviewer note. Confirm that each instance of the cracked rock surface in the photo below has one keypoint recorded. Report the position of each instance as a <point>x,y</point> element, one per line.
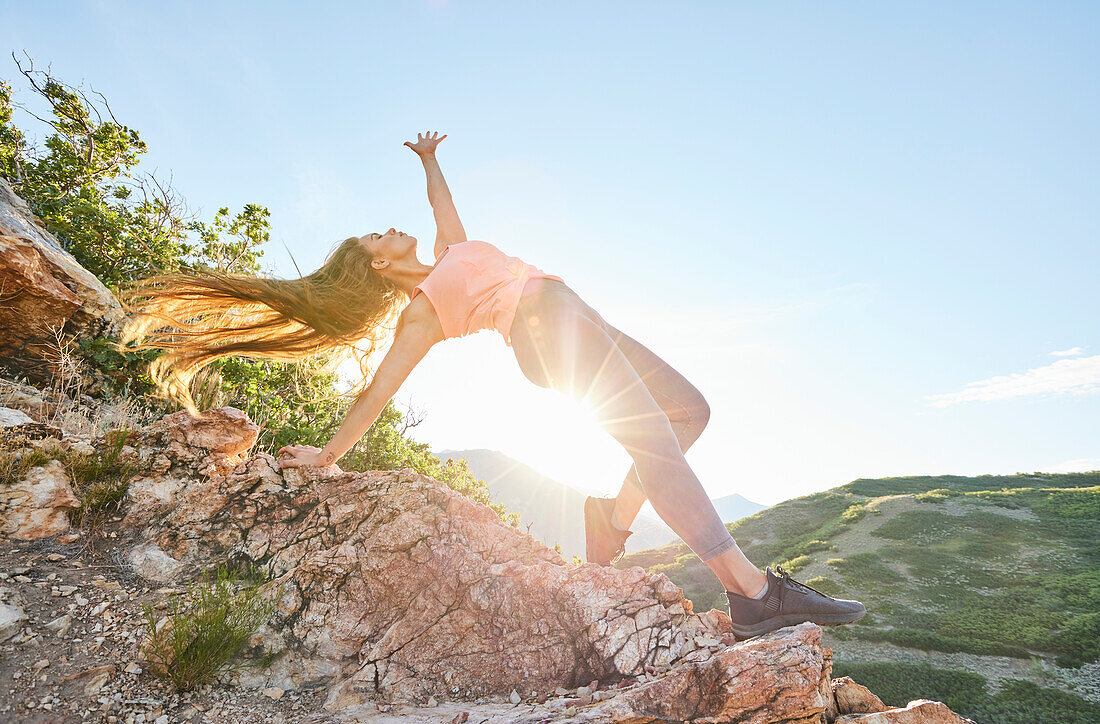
<point>402,599</point>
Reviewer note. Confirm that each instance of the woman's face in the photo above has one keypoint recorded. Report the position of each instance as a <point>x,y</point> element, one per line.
<point>392,245</point>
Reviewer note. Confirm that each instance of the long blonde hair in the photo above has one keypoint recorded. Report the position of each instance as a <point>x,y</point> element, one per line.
<point>202,316</point>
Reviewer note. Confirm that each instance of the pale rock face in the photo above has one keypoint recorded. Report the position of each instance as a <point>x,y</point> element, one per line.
<point>27,399</point>
<point>397,588</point>
<point>12,614</point>
<point>853,698</point>
<point>35,507</point>
<point>11,418</point>
<point>151,562</point>
<point>44,288</point>
<point>148,497</point>
<point>212,443</point>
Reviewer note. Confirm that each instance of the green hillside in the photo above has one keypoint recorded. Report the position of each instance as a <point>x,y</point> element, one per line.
<point>992,574</point>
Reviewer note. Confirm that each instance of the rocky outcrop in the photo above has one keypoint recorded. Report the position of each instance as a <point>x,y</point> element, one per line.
<point>395,591</point>
<point>42,288</point>
<point>36,506</point>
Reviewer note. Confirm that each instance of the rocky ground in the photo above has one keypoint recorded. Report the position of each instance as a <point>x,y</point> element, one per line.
<point>400,600</point>
<point>75,657</point>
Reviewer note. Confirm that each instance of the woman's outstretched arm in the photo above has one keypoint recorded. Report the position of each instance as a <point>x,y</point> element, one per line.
<point>448,227</point>
<point>417,330</point>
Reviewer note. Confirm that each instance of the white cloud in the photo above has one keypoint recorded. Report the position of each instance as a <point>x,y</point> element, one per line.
<point>1080,376</point>
<point>1071,352</point>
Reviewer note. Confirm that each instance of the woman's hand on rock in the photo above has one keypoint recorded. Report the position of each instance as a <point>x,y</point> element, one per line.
<point>426,142</point>
<point>296,456</point>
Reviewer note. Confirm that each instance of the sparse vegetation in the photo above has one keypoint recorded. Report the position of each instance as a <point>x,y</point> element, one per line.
<point>100,479</point>
<point>16,458</point>
<point>206,629</point>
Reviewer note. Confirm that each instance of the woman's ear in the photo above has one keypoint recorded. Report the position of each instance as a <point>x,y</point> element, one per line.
<point>379,264</point>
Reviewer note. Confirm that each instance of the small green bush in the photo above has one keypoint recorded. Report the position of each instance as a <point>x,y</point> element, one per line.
<point>207,627</point>
<point>1079,641</point>
<point>100,479</point>
<point>937,495</point>
<point>826,586</point>
<point>796,564</point>
<point>853,513</point>
<point>17,457</point>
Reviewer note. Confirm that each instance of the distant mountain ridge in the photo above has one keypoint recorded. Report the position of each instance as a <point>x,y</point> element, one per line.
<point>556,511</point>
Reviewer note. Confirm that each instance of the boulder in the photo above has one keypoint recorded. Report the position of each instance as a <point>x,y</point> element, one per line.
<point>12,612</point>
<point>43,288</point>
<point>853,698</point>
<point>11,418</point>
<point>395,592</point>
<point>918,711</point>
<point>35,507</point>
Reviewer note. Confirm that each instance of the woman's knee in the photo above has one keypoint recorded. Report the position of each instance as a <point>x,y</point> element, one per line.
<point>700,415</point>
<point>690,421</point>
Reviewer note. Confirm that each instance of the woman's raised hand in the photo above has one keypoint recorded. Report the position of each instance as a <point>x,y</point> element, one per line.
<point>294,456</point>
<point>426,142</point>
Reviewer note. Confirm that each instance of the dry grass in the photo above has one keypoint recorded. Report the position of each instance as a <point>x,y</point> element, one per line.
<point>70,411</point>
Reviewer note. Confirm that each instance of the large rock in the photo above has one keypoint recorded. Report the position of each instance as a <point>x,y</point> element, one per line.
<point>36,506</point>
<point>853,698</point>
<point>918,711</point>
<point>11,418</point>
<point>12,612</point>
<point>396,592</point>
<point>42,287</point>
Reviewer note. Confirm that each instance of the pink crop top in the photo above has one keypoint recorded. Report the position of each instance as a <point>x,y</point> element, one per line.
<point>475,286</point>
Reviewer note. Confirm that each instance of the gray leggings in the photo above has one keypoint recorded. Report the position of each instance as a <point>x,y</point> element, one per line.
<point>562,343</point>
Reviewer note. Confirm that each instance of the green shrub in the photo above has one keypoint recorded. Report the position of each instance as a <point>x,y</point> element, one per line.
<point>873,488</point>
<point>932,641</point>
<point>938,495</point>
<point>853,513</point>
<point>207,628</point>
<point>826,585</point>
<point>100,479</point>
<point>1079,641</point>
<point>1076,504</point>
<point>796,564</point>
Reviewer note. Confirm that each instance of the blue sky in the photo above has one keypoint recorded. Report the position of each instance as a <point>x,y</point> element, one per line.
<point>863,230</point>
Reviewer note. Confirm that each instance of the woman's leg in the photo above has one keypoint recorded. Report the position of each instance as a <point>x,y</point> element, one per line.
<point>563,344</point>
<point>688,412</point>
<point>681,401</point>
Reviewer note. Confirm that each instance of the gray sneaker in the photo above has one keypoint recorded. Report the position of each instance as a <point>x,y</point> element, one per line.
<point>788,603</point>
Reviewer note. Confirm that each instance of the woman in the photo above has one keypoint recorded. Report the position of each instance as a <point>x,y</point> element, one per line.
<point>559,341</point>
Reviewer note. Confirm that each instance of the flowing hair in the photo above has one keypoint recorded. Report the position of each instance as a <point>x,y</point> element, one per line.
<point>201,316</point>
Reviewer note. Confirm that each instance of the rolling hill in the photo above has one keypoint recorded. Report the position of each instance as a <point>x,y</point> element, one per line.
<point>976,587</point>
